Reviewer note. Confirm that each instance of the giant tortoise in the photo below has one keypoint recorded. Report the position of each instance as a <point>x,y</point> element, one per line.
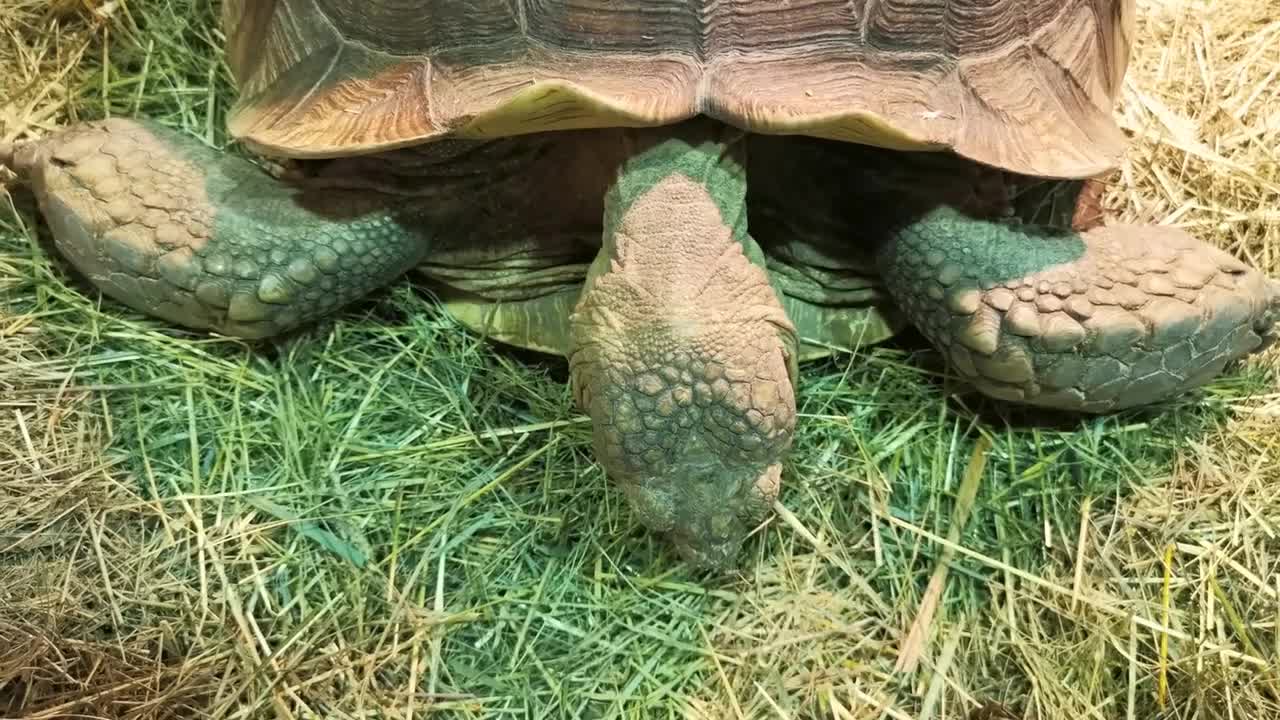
<point>685,198</point>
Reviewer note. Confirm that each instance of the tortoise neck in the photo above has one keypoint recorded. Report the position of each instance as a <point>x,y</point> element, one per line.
<point>708,155</point>
<point>444,168</point>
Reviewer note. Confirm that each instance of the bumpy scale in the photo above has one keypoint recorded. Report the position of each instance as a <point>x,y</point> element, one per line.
<point>177,230</point>
<point>1111,318</point>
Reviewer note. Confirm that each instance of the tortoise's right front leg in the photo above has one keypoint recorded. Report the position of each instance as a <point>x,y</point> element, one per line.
<point>1110,318</point>
<point>180,231</point>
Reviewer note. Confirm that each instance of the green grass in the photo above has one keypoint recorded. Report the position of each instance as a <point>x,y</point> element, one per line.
<point>384,511</point>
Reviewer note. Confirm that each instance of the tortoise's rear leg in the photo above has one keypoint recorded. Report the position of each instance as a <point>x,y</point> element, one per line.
<point>180,231</point>
<point>1110,318</point>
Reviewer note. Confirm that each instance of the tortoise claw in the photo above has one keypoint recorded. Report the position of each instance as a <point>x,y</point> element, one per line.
<point>8,169</point>
<point>17,160</point>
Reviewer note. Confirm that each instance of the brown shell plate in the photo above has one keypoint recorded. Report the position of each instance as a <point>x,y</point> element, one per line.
<point>1025,85</point>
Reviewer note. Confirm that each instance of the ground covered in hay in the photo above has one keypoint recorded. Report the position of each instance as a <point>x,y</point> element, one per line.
<point>383,516</point>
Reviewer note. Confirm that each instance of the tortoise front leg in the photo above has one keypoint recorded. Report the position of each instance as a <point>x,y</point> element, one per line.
<point>1110,318</point>
<point>179,231</point>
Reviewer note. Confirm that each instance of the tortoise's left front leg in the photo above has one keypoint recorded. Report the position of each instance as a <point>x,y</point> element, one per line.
<point>1110,318</point>
<point>178,230</point>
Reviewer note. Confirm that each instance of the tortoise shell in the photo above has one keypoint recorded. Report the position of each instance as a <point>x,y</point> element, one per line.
<point>1024,85</point>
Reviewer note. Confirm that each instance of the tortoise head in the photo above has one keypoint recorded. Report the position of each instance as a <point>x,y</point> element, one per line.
<point>682,353</point>
<point>696,441</point>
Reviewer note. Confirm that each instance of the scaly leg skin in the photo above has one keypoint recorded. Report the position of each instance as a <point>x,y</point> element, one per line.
<point>177,230</point>
<point>681,352</point>
<point>1111,318</point>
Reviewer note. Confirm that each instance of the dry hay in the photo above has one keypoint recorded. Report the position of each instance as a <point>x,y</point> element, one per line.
<point>92,600</point>
<point>1202,102</point>
<point>88,624</point>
